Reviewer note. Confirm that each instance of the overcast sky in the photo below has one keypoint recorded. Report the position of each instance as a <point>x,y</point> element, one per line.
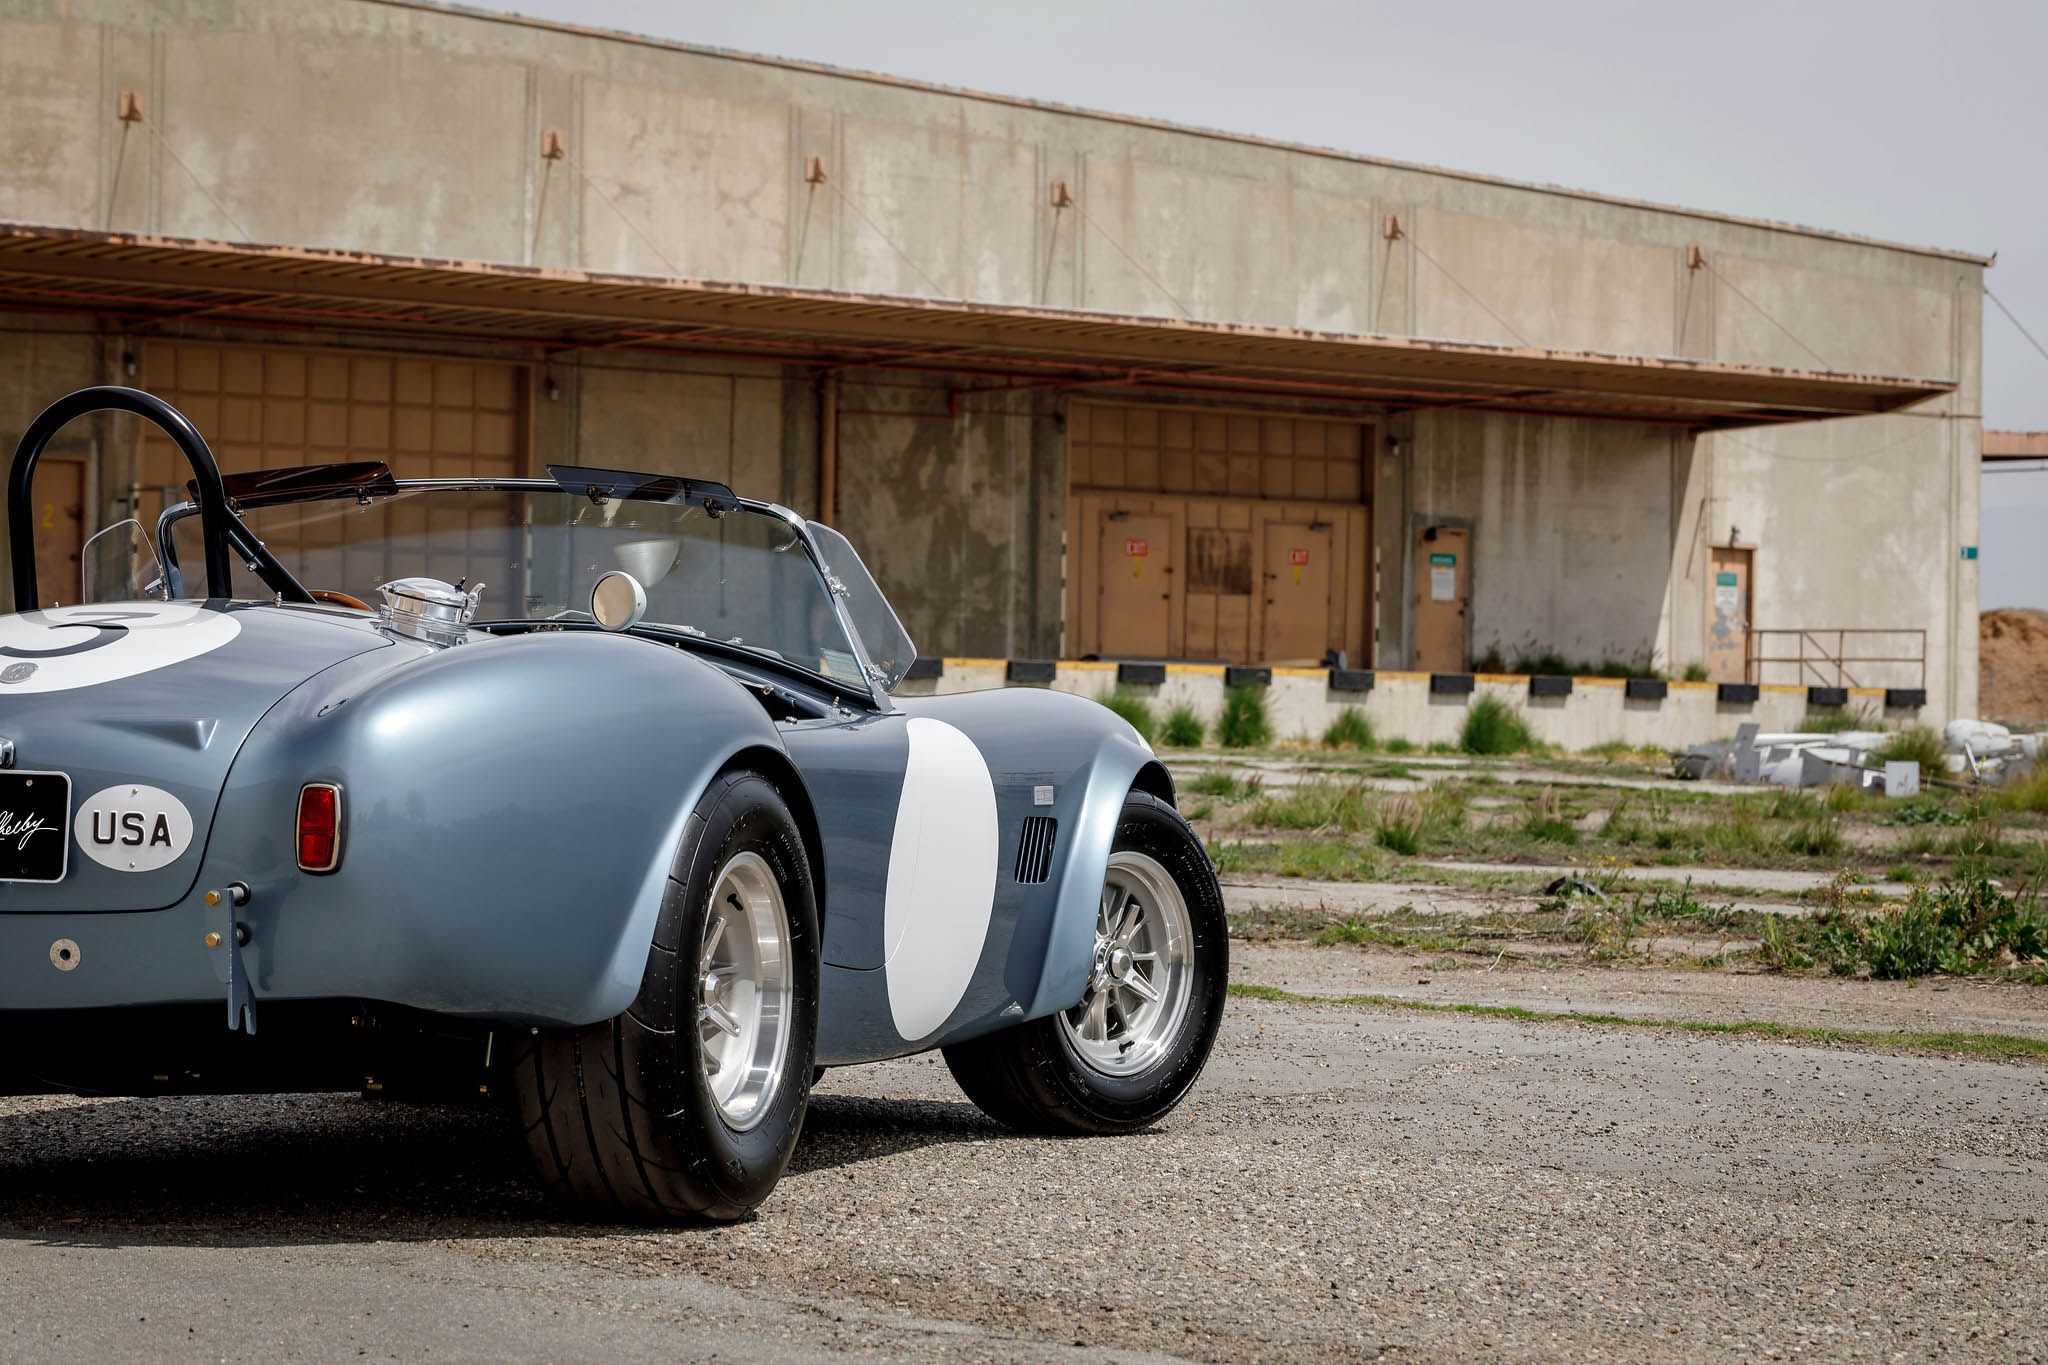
<point>1912,122</point>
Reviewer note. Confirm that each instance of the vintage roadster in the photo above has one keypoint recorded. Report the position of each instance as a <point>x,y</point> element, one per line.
<point>605,806</point>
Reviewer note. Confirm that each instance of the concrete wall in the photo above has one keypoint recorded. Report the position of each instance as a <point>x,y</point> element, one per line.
<point>1573,531</point>
<point>959,517</point>
<point>395,128</point>
<point>434,118</point>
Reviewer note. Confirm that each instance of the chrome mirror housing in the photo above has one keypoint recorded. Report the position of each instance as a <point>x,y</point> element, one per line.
<point>617,601</point>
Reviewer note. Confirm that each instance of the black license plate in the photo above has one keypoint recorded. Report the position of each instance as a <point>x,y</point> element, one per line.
<point>35,826</point>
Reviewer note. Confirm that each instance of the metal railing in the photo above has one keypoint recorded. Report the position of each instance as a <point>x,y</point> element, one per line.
<point>1838,656</point>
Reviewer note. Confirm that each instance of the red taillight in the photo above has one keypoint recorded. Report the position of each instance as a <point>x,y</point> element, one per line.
<point>319,827</point>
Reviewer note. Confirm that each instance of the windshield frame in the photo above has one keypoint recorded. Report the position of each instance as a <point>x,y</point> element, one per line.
<point>873,693</point>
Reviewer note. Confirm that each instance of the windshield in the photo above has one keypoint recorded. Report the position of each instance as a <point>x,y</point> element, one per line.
<point>881,634</point>
<point>741,577</point>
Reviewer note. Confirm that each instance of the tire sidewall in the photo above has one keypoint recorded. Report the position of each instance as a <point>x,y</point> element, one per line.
<point>748,815</point>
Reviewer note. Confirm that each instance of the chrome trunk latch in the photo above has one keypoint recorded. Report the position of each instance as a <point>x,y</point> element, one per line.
<point>225,928</point>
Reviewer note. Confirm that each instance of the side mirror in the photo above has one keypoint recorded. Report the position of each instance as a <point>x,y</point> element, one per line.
<point>617,602</point>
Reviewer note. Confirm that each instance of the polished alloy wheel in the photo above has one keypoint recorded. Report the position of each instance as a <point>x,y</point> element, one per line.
<point>744,984</point>
<point>1141,977</point>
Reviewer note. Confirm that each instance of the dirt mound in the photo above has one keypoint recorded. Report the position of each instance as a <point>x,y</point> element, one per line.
<point>2012,660</point>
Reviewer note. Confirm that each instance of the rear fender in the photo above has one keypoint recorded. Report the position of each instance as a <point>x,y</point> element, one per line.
<point>511,810</point>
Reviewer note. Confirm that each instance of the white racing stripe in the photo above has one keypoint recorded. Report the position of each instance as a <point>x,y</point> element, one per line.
<point>942,878</point>
<point>68,647</point>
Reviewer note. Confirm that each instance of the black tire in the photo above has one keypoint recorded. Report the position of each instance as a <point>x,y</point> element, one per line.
<point>619,1116</point>
<point>1031,1078</point>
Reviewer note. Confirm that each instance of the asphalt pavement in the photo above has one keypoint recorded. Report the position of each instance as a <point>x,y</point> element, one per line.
<point>1345,1182</point>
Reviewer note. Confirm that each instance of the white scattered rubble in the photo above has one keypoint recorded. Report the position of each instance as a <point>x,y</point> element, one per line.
<point>1979,749</point>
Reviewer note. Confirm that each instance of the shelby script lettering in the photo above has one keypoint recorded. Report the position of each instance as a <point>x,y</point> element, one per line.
<point>18,830</point>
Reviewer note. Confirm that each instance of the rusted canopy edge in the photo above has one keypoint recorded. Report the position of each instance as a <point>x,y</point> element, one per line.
<point>155,280</point>
<point>2015,445</point>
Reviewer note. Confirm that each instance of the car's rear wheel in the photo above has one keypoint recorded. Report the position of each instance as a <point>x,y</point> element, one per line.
<point>688,1105</point>
<point>1129,1050</point>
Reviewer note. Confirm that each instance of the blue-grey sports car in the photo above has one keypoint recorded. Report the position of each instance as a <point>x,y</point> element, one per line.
<point>590,791</point>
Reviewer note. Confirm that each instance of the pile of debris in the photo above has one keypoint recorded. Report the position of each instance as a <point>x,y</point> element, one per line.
<point>2012,665</point>
<point>1973,749</point>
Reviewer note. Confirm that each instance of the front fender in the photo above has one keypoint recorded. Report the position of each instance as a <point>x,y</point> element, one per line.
<point>511,811</point>
<point>1070,939</point>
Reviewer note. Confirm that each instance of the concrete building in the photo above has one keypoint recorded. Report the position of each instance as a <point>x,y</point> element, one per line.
<point>1080,385</point>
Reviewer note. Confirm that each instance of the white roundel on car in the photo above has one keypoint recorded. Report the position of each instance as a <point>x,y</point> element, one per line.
<point>132,828</point>
<point>67,647</point>
<point>942,877</point>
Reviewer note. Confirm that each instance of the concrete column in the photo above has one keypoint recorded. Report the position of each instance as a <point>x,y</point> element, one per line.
<point>1392,511</point>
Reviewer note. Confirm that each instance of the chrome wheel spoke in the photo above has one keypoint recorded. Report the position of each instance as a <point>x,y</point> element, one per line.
<point>1127,922</point>
<point>1141,981</point>
<point>1139,986</point>
<point>1098,1017</point>
<point>721,1019</point>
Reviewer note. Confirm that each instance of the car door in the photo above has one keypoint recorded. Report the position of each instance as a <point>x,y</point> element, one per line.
<point>852,768</point>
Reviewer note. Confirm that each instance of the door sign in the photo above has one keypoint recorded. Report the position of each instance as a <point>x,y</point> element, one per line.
<point>1727,596</point>
<point>1443,577</point>
<point>1137,550</point>
<point>1297,559</point>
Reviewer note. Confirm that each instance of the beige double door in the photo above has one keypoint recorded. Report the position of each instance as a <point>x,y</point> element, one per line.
<point>1167,578</point>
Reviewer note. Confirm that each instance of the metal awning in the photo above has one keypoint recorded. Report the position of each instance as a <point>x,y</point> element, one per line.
<point>153,283</point>
<point>2014,445</point>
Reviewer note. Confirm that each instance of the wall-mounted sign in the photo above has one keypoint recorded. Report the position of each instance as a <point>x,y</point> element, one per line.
<point>1440,560</point>
<point>1969,552</point>
<point>1725,579</point>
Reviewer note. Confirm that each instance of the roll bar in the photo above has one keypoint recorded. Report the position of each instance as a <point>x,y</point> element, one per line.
<point>214,516</point>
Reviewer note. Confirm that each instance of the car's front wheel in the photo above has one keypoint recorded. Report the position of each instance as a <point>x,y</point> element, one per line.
<point>1129,1050</point>
<point>688,1105</point>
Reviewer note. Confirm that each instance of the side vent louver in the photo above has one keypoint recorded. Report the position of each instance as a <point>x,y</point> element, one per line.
<point>1034,848</point>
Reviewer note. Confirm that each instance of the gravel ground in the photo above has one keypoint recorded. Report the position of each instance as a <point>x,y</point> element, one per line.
<point>1249,895</point>
<point>1933,1005</point>
<point>1253,894</point>
<point>1424,769</point>
<point>1344,1182</point>
<point>1788,881</point>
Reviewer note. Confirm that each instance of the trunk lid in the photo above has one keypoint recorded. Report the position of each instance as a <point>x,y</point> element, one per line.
<point>137,702</point>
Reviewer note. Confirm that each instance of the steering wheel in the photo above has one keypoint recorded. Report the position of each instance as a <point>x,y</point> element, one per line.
<point>339,599</point>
